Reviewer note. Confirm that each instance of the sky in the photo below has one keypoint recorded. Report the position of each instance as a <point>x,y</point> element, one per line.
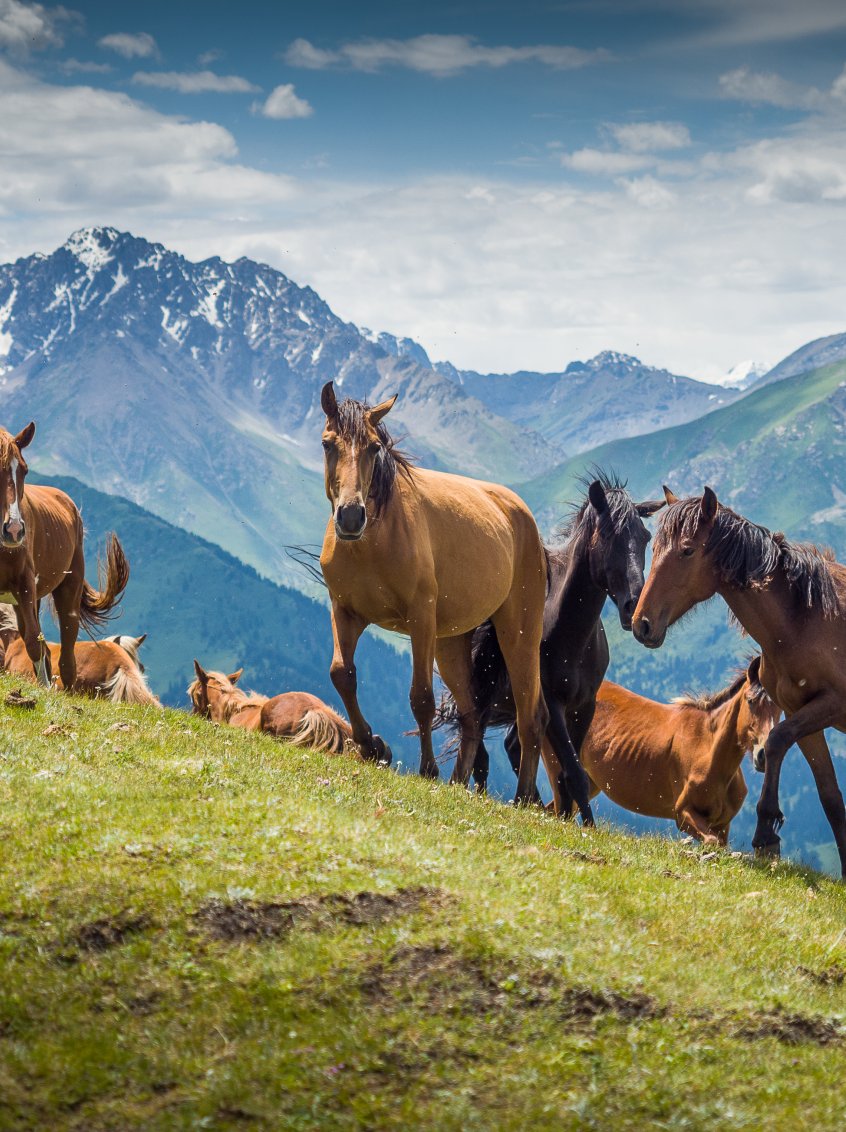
<point>513,185</point>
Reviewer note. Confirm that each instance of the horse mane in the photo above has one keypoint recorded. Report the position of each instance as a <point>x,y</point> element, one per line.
<point>353,424</point>
<point>232,699</point>
<point>705,701</point>
<point>6,448</point>
<point>580,525</point>
<point>746,555</point>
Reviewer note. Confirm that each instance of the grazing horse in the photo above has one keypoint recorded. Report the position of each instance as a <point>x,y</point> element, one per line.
<point>103,669</point>
<point>300,718</point>
<point>603,556</point>
<point>430,555</point>
<point>679,760</point>
<point>41,553</point>
<point>791,599</point>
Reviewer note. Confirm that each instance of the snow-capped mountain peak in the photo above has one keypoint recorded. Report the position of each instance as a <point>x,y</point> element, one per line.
<point>744,374</point>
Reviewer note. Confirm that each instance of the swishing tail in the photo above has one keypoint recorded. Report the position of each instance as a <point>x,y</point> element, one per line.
<point>322,729</point>
<point>96,605</point>
<point>489,684</point>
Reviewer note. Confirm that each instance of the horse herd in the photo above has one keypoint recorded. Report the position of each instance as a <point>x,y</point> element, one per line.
<point>515,628</point>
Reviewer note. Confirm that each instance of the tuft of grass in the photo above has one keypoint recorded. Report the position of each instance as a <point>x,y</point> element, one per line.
<point>202,928</point>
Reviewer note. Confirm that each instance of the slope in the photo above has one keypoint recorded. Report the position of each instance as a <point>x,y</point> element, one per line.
<point>200,928</point>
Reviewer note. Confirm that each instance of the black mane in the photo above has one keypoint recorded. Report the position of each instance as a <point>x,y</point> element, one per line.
<point>746,556</point>
<point>580,525</point>
<point>353,425</point>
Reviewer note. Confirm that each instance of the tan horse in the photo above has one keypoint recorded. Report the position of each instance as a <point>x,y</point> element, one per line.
<point>41,553</point>
<point>679,760</point>
<point>791,599</point>
<point>430,555</point>
<point>103,669</point>
<point>298,717</point>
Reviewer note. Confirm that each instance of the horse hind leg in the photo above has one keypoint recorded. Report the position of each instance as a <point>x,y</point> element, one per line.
<point>512,749</point>
<point>815,749</point>
<point>455,665</point>
<point>66,598</point>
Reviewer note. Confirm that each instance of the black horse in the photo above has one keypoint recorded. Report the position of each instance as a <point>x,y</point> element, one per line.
<point>602,556</point>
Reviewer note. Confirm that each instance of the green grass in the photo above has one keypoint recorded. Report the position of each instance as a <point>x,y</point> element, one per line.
<point>520,973</point>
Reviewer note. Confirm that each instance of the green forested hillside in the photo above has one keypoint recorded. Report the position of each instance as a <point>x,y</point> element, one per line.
<point>195,600</point>
<point>203,928</point>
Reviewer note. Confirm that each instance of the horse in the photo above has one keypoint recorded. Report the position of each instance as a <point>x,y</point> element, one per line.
<point>104,670</point>
<point>430,555</point>
<point>679,760</point>
<point>41,553</point>
<point>298,717</point>
<point>132,645</point>
<point>791,599</point>
<point>602,556</point>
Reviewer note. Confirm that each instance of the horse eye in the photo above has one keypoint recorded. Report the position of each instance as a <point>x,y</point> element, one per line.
<point>688,550</point>
<point>328,445</point>
<point>374,448</point>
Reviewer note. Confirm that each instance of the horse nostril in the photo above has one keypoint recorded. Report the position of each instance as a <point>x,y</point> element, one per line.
<point>350,518</point>
<point>644,628</point>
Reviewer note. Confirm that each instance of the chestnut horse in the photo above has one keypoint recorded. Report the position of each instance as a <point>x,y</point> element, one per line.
<point>679,760</point>
<point>791,599</point>
<point>430,555</point>
<point>41,553</point>
<point>300,718</point>
<point>103,669</point>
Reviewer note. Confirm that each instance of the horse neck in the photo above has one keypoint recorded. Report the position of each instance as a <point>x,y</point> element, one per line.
<point>579,599</point>
<point>729,745</point>
<point>765,614</point>
<point>232,700</point>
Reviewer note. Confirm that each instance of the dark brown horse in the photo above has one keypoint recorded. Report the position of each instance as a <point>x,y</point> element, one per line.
<point>602,556</point>
<point>430,555</point>
<point>679,760</point>
<point>41,553</point>
<point>298,717</point>
<point>791,599</point>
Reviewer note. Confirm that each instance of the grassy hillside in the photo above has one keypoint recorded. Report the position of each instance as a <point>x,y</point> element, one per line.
<point>194,599</point>
<point>204,929</point>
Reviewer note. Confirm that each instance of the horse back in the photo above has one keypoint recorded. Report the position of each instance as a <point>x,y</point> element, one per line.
<point>282,714</point>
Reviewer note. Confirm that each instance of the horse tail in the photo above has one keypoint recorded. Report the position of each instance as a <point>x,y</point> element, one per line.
<point>322,729</point>
<point>129,686</point>
<point>96,605</point>
<point>489,685</point>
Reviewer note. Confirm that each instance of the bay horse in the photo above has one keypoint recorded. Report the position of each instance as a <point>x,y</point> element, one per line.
<point>679,760</point>
<point>791,599</point>
<point>430,555</point>
<point>41,553</point>
<point>298,717</point>
<point>602,556</point>
<point>104,670</point>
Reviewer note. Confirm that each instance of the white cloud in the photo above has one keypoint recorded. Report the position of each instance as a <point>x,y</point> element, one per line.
<point>745,22</point>
<point>30,26</point>
<point>131,45</point>
<point>283,102</point>
<point>85,67</point>
<point>647,137</point>
<point>647,192</point>
<point>438,55</point>
<point>195,82</point>
<point>746,85</point>
<point>604,163</point>
<point>209,57</point>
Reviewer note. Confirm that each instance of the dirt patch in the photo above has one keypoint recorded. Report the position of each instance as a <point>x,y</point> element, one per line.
<point>101,935</point>
<point>19,699</point>
<point>793,1029</point>
<point>832,976</point>
<point>254,920</point>
<point>583,1003</point>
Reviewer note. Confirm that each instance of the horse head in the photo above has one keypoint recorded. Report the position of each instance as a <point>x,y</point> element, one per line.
<point>356,447</point>
<point>210,692</point>
<point>13,470</point>
<point>762,714</point>
<point>618,546</point>
<point>682,573</point>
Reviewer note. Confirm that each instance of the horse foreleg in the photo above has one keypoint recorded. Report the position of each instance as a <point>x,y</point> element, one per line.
<point>36,646</point>
<point>346,630</point>
<point>691,821</point>
<point>455,664</point>
<point>421,697</point>
<point>67,598</point>
<point>512,749</point>
<point>815,749</point>
<point>575,781</point>
<point>813,716</point>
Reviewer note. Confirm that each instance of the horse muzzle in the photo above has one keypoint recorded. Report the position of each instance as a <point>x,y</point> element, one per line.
<point>350,521</point>
<point>649,634</point>
<point>759,758</point>
<point>13,533</point>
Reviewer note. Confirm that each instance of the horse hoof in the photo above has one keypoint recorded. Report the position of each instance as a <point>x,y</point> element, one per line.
<point>381,753</point>
<point>771,850</point>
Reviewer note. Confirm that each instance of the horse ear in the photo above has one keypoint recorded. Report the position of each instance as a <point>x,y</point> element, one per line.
<point>25,436</point>
<point>234,677</point>
<point>753,672</point>
<point>670,496</point>
<point>139,641</point>
<point>709,505</point>
<point>649,507</point>
<point>328,401</point>
<point>597,497</point>
<point>202,675</point>
<point>375,414</point>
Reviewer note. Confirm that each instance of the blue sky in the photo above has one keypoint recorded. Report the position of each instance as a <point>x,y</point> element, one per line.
<point>514,185</point>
